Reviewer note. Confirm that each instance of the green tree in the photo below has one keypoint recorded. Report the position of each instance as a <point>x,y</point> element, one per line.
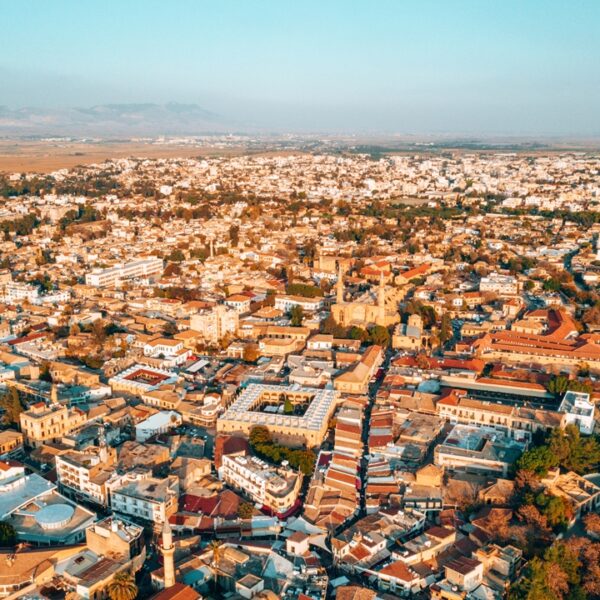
<point>288,407</point>
<point>176,256</point>
<point>122,587</point>
<point>8,535</point>
<point>379,335</point>
<point>296,315</point>
<point>245,510</point>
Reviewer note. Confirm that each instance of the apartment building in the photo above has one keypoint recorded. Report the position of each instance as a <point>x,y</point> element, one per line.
<point>112,276</point>
<point>147,498</point>
<point>83,475</point>
<point>274,488</point>
<point>496,283</point>
<point>216,323</point>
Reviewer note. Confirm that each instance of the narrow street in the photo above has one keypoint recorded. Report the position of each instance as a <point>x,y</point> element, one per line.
<point>373,389</point>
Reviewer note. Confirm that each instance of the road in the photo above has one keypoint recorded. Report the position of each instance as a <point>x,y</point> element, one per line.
<point>364,463</point>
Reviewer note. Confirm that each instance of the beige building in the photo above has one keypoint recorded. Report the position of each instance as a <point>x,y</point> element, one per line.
<point>11,443</point>
<point>44,423</point>
<point>356,379</point>
<point>259,404</point>
<point>216,323</point>
<point>364,312</point>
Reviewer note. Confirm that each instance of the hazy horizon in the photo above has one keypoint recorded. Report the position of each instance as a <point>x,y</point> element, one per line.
<point>421,68</point>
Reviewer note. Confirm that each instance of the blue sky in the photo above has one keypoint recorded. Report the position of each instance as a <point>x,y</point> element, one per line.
<point>425,66</point>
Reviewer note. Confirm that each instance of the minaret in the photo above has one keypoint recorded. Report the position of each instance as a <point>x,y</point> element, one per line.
<point>339,286</point>
<point>54,394</point>
<point>168,552</point>
<point>102,443</point>
<point>381,299</point>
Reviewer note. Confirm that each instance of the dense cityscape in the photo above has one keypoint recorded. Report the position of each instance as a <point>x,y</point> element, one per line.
<point>302,375</point>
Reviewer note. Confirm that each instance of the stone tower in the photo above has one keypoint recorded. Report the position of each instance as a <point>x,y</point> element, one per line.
<point>168,552</point>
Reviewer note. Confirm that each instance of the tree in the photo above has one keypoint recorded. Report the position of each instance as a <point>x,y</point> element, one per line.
<point>558,385</point>
<point>251,353</point>
<point>10,403</point>
<point>379,335</point>
<point>8,535</point>
<point>592,523</point>
<point>122,587</point>
<point>537,460</point>
<point>234,235</point>
<point>296,315</point>
<point>217,550</point>
<point>446,332</point>
<point>176,256</point>
<point>288,407</point>
<point>245,510</point>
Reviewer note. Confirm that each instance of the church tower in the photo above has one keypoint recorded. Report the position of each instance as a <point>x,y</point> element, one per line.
<point>339,286</point>
<point>168,552</point>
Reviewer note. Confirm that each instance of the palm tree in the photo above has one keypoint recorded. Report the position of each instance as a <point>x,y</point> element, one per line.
<point>122,587</point>
<point>215,546</point>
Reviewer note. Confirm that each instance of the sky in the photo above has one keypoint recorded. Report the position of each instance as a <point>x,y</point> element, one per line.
<point>474,67</point>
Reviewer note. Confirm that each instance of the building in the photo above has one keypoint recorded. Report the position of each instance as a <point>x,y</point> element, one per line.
<point>259,404</point>
<point>44,423</point>
<point>579,411</point>
<point>274,488</point>
<point>410,336</point>
<point>146,498</point>
<point>216,323</point>
<point>141,379</point>
<point>160,422</point>
<point>11,443</point>
<point>364,312</point>
<point>113,276</point>
<point>83,474</point>
<point>310,305</point>
<point>356,379</point>
<point>479,449</point>
<point>503,285</point>
<point>38,513</point>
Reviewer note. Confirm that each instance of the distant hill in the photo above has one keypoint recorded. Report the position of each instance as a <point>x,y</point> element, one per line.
<point>114,120</point>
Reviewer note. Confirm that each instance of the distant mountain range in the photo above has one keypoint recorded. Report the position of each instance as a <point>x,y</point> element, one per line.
<point>113,120</point>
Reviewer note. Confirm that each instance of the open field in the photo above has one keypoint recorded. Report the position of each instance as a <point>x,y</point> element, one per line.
<point>44,157</point>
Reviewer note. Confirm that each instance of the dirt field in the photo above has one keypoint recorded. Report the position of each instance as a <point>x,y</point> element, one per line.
<point>44,157</point>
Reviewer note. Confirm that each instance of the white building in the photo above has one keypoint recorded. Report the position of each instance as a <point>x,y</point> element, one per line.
<point>113,275</point>
<point>146,498</point>
<point>14,292</point>
<point>579,411</point>
<point>275,488</point>
<point>499,284</point>
<point>158,423</point>
<point>286,303</point>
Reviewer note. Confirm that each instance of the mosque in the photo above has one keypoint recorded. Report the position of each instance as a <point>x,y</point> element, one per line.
<point>369,309</point>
